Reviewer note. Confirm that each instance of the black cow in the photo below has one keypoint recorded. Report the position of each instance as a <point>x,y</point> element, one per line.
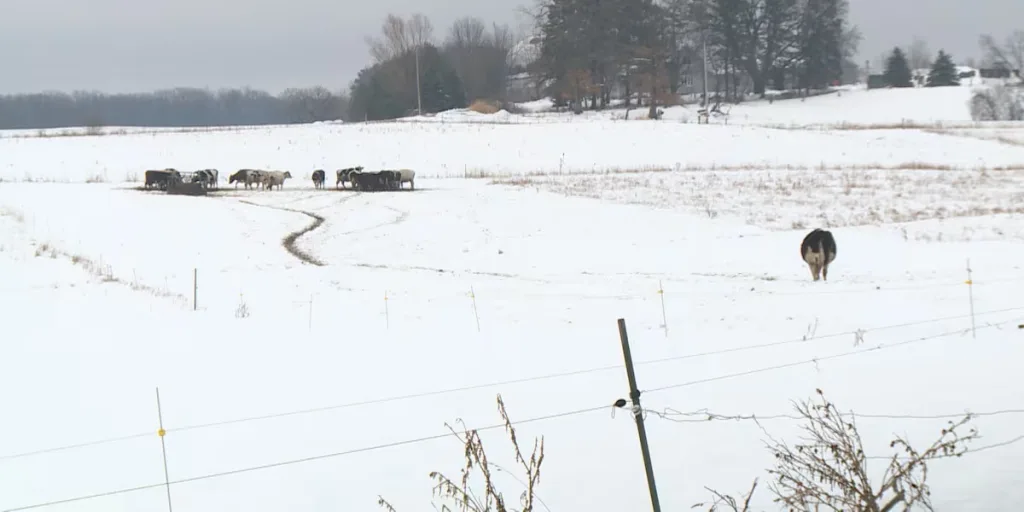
<point>818,250</point>
<point>159,178</point>
<point>319,176</point>
<point>375,181</point>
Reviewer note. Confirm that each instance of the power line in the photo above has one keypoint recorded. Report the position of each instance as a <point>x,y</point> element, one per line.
<point>305,459</point>
<point>522,380</point>
<point>817,359</point>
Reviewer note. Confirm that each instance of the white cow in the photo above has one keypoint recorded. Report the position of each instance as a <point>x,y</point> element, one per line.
<point>275,178</point>
<point>407,175</point>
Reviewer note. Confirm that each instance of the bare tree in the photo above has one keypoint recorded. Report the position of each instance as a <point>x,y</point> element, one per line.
<point>313,104</point>
<point>482,59</point>
<point>399,36</point>
<point>467,32</point>
<point>421,30</point>
<point>829,468</point>
<point>919,56</point>
<point>1009,55</point>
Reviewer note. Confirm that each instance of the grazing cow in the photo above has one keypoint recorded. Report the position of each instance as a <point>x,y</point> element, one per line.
<point>159,178</point>
<point>212,177</point>
<point>374,181</point>
<point>273,179</point>
<point>407,175</point>
<point>203,177</point>
<point>818,250</point>
<point>251,176</point>
<point>391,180</point>
<point>346,175</point>
<point>238,177</point>
<point>319,176</point>
<point>177,186</point>
<point>246,176</point>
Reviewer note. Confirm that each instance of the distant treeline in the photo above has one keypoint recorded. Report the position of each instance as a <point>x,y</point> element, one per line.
<point>170,107</point>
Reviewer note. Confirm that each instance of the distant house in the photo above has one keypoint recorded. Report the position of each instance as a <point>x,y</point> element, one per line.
<point>876,82</point>
<point>999,73</point>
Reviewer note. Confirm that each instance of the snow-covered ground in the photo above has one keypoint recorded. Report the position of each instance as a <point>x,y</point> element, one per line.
<point>319,387</point>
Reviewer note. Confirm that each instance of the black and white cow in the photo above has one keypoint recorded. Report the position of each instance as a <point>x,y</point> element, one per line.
<point>818,250</point>
<point>346,175</point>
<point>210,178</point>
<point>206,177</point>
<point>246,176</point>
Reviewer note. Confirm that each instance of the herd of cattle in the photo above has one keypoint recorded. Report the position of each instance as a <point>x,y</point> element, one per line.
<point>170,179</point>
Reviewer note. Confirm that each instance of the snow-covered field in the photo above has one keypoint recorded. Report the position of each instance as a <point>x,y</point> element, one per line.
<point>309,387</point>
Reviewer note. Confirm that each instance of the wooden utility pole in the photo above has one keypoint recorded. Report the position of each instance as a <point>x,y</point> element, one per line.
<point>634,396</point>
<point>419,92</point>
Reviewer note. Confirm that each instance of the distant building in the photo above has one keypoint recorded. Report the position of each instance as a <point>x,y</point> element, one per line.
<point>876,82</point>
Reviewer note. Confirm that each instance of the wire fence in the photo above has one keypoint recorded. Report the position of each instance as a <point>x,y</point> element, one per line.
<point>668,414</point>
<point>493,296</point>
<point>559,375</point>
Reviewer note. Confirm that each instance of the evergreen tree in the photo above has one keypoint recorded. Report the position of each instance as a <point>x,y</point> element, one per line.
<point>388,90</point>
<point>897,70</point>
<point>439,82</point>
<point>943,72</point>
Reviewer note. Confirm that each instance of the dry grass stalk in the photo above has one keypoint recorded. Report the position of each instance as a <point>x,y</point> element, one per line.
<point>728,502</point>
<point>493,500</point>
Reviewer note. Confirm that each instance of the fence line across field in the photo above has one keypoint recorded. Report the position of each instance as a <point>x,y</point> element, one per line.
<point>473,300</point>
<point>583,371</point>
<point>639,413</point>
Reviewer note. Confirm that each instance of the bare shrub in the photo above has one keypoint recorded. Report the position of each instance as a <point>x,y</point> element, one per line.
<point>242,310</point>
<point>828,468</point>
<point>12,213</point>
<point>468,500</point>
<point>999,103</point>
<point>96,178</point>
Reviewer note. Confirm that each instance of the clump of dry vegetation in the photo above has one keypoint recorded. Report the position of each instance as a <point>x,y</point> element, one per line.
<point>828,470</point>
<point>7,211</point>
<point>105,272</point>
<point>460,493</point>
<point>784,199</point>
<point>485,107</point>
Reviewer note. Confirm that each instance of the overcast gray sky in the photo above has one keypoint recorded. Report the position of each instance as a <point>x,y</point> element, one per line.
<point>133,45</point>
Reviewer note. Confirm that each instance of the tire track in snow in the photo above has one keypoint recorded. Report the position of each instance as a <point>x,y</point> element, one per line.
<point>402,216</point>
<point>289,241</point>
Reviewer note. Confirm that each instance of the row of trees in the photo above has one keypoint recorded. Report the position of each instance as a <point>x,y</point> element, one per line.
<point>587,53</point>
<point>943,72</point>
<point>647,47</point>
<point>1006,54</point>
<point>171,107</point>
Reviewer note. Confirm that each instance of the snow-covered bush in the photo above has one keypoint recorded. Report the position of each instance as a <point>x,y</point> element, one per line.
<point>998,103</point>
